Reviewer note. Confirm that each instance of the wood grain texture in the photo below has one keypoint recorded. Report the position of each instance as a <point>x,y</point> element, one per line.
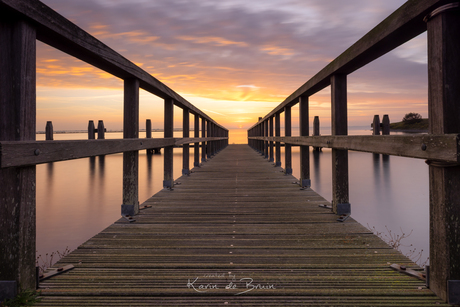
<point>232,221</point>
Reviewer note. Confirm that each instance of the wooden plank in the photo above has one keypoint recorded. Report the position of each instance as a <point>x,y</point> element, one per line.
<point>398,28</point>
<point>438,147</point>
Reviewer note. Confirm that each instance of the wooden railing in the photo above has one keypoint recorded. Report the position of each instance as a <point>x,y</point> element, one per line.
<point>440,147</point>
<point>22,22</point>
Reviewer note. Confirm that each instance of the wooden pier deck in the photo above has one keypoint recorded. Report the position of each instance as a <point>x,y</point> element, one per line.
<point>236,232</point>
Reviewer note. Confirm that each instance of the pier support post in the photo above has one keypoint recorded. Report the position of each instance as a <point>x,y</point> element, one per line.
<point>340,189</point>
<point>272,158</point>
<point>444,113</point>
<point>203,144</point>
<point>376,125</point>
<point>196,133</point>
<point>17,184</point>
<point>209,145</point>
<point>386,125</point>
<point>278,144</point>
<point>148,134</point>
<point>316,131</point>
<point>287,147</point>
<point>185,147</point>
<point>305,181</point>
<point>168,181</point>
<point>130,204</point>
<point>266,142</point>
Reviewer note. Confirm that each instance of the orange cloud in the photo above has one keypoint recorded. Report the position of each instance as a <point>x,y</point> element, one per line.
<point>211,40</point>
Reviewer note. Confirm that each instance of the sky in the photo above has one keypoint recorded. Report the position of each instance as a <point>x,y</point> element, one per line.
<point>236,60</point>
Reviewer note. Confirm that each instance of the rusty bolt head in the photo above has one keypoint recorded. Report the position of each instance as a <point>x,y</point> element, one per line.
<point>37,152</point>
<point>424,147</point>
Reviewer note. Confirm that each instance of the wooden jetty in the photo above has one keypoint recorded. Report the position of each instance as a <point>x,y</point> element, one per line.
<point>236,232</point>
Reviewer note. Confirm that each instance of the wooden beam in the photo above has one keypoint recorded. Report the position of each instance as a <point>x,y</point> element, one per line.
<point>196,161</point>
<point>444,114</point>
<point>168,181</point>
<point>186,147</point>
<point>304,150</point>
<point>17,123</point>
<point>420,146</point>
<point>130,204</point>
<point>277,143</point>
<point>287,147</point>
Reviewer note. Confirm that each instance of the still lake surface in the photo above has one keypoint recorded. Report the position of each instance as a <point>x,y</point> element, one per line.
<point>79,198</point>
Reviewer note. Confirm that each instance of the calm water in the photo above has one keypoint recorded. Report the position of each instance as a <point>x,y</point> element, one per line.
<point>79,198</point>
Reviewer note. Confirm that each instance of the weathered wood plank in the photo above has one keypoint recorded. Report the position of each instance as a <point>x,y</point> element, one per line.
<point>438,147</point>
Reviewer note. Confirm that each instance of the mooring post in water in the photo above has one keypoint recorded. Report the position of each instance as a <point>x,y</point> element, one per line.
<point>148,134</point>
<point>185,147</point>
<point>203,144</point>
<point>168,181</point>
<point>17,192</point>
<point>49,131</point>
<point>316,131</point>
<point>386,125</point>
<point>130,204</point>
<point>444,114</point>
<point>272,157</point>
<point>305,181</point>
<point>196,134</point>
<point>91,130</point>
<point>340,198</point>
<point>100,130</point>
<point>287,147</point>
<point>278,144</point>
<point>376,125</point>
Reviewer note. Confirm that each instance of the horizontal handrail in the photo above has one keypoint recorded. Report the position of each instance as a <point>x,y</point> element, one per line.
<point>57,31</point>
<point>397,29</point>
<point>443,148</point>
<point>25,153</point>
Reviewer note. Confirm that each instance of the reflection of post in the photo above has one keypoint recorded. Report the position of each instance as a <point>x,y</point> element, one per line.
<point>340,198</point>
<point>168,181</point>
<point>287,147</point>
<point>185,147</point>
<point>444,114</point>
<point>305,181</point>
<point>49,131</point>
<point>130,204</point>
<point>196,132</point>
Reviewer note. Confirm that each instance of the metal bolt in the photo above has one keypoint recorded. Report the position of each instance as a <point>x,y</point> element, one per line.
<point>424,147</point>
<point>37,152</point>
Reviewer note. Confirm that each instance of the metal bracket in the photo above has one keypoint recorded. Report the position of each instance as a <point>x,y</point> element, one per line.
<point>129,218</point>
<point>343,217</point>
<point>453,292</point>
<point>403,269</point>
<point>325,206</point>
<point>8,289</point>
<point>53,272</point>
<point>145,207</point>
<point>343,208</point>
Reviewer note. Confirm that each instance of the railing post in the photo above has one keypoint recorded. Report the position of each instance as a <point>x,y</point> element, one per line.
<point>148,134</point>
<point>266,142</point>
<point>260,144</point>
<point>376,125</point>
<point>287,147</point>
<point>386,125</point>
<point>209,145</point>
<point>316,131</point>
<point>91,130</point>
<point>17,184</point>
<point>100,130</point>
<point>130,204</point>
<point>49,131</point>
<point>168,181</point>
<point>185,147</point>
<point>196,134</point>
<point>272,158</point>
<point>305,181</point>
<point>203,144</point>
<point>340,189</point>
<point>444,113</point>
<point>278,134</point>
